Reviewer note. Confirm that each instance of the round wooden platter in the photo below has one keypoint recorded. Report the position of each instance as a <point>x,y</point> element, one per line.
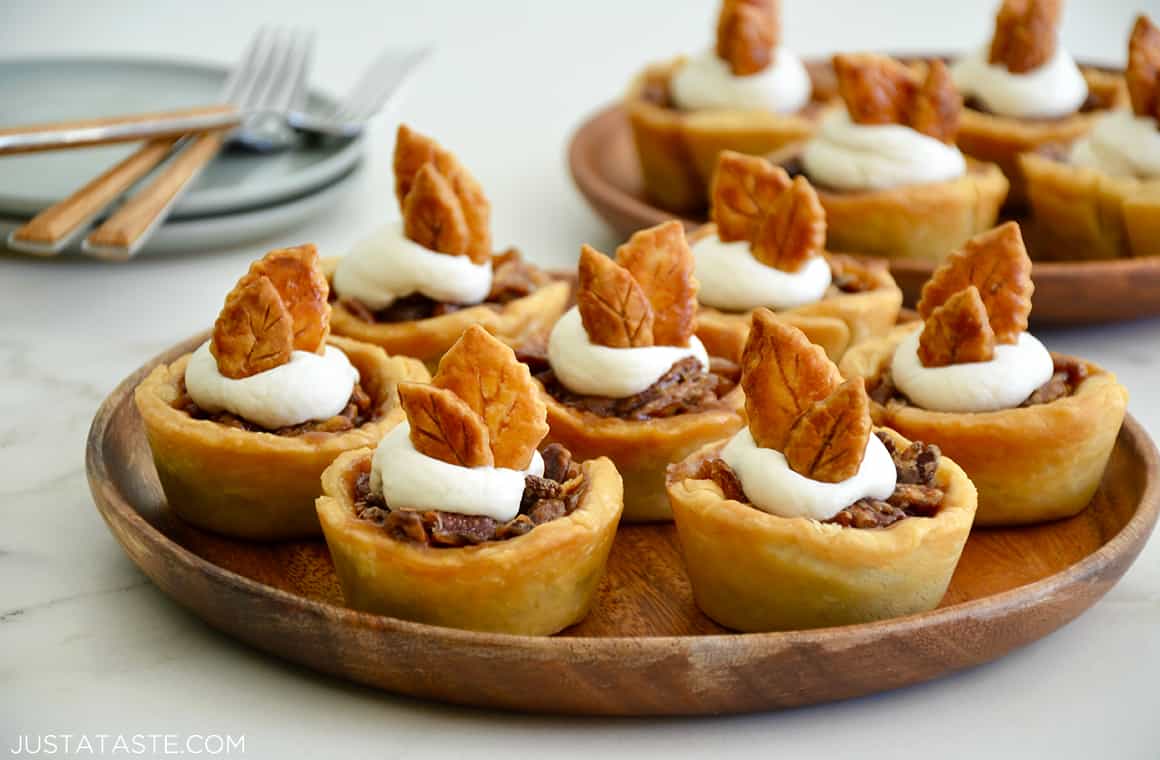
<point>644,649</point>
<point>604,166</point>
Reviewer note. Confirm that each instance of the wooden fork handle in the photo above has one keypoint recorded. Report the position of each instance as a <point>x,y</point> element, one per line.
<point>123,232</point>
<point>115,129</point>
<point>59,222</point>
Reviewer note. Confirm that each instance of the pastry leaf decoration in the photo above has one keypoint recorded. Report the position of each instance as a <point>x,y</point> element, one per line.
<point>782,375</point>
<point>747,33</point>
<point>880,90</point>
<point>613,307</point>
<point>254,331</point>
<point>486,375</point>
<point>296,275</point>
<point>995,262</point>
<point>661,263</point>
<point>755,201</point>
<point>1143,72</point>
<point>1026,33</point>
<point>413,151</point>
<point>957,332</point>
<point>433,216</point>
<point>935,108</point>
<point>828,441</point>
<point>444,427</point>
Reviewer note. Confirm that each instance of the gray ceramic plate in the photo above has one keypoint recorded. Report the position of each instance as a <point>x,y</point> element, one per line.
<point>34,90</point>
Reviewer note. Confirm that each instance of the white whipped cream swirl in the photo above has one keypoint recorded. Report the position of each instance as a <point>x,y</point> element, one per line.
<point>389,265</point>
<point>1057,88</point>
<point>308,387</point>
<point>407,479</point>
<point>594,370</point>
<point>1121,144</point>
<point>705,81</point>
<point>850,156</point>
<point>772,486</point>
<point>733,280</point>
<point>1001,383</point>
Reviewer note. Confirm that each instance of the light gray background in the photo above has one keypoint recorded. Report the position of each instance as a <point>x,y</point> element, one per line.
<point>87,645</point>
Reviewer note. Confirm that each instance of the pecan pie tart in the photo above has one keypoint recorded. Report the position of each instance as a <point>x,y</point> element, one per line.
<point>416,284</point>
<point>765,248</point>
<point>748,93</point>
<point>1024,91</point>
<point>808,516</point>
<point>886,167</point>
<point>1100,198</point>
<point>242,428</point>
<point>456,519</point>
<point>1032,429</point>
<point>625,376</point>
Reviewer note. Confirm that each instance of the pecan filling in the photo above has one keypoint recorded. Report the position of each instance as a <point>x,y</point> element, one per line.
<point>359,411</point>
<point>684,389</point>
<point>551,497</point>
<point>512,278</point>
<point>915,495</point>
<point>1069,374</point>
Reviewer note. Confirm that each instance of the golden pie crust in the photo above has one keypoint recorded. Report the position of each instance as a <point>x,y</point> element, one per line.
<point>257,485</point>
<point>835,323</point>
<point>753,571</point>
<point>678,149</point>
<point>1001,139</point>
<point>925,221</point>
<point>1082,213</point>
<point>642,449</point>
<point>1029,464</point>
<point>516,322</point>
<point>535,584</point>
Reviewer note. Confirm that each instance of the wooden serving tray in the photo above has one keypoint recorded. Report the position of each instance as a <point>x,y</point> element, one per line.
<point>644,649</point>
<point>604,166</point>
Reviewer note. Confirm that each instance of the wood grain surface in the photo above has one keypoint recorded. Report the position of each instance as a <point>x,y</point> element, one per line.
<point>644,648</point>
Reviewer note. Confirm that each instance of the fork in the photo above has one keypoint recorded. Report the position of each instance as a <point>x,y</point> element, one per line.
<point>271,77</point>
<point>56,227</point>
<point>347,119</point>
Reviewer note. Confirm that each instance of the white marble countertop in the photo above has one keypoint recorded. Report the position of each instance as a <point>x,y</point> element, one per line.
<point>88,646</point>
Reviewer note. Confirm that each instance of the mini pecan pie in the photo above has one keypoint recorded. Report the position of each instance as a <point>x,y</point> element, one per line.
<point>1033,430</point>
<point>765,248</point>
<point>415,285</point>
<point>1100,197</point>
<point>626,377</point>
<point>457,520</point>
<point>886,168</point>
<point>809,517</point>
<point>242,428</point>
<point>747,94</point>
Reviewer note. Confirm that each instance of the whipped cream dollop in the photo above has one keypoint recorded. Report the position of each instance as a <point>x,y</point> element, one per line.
<point>594,370</point>
<point>1057,88</point>
<point>1121,144</point>
<point>408,479</point>
<point>389,265</point>
<point>1001,383</point>
<point>850,156</point>
<point>308,387</point>
<point>772,486</point>
<point>705,81</point>
<point>733,280</point>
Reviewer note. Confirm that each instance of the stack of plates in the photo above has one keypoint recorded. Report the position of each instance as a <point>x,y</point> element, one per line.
<point>241,197</point>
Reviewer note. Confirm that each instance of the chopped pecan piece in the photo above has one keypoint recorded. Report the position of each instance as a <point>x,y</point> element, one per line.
<point>558,463</point>
<point>921,501</point>
<point>868,513</point>
<point>723,475</point>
